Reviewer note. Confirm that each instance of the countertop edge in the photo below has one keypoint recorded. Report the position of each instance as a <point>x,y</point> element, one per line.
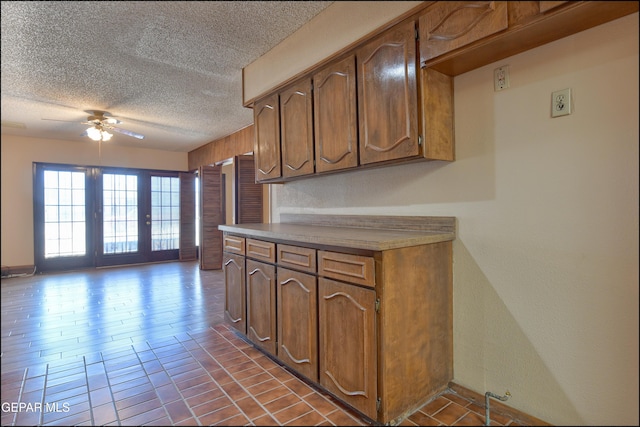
<point>320,235</point>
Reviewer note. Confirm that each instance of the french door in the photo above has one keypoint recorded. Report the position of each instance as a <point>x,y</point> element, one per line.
<point>85,217</point>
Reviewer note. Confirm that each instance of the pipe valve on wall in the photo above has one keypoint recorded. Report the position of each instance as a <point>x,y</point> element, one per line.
<point>487,395</point>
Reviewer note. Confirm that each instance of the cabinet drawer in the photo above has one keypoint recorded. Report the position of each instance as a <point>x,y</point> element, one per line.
<point>448,25</point>
<point>233,244</point>
<point>346,267</point>
<point>259,249</point>
<point>298,258</point>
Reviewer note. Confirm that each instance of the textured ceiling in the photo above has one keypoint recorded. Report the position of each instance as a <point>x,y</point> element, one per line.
<point>169,70</point>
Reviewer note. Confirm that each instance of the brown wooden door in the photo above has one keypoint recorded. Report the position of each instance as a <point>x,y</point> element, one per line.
<point>348,343</point>
<point>336,116</point>
<point>266,117</point>
<point>234,292</point>
<point>388,96</point>
<point>298,322</point>
<point>261,304</point>
<point>248,193</point>
<point>296,127</point>
<point>211,216</point>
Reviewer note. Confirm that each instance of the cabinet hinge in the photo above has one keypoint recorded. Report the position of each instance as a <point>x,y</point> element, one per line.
<point>377,305</point>
<point>419,140</point>
<point>378,404</point>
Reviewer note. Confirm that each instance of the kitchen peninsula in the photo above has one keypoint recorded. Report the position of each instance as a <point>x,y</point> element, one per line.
<point>360,305</point>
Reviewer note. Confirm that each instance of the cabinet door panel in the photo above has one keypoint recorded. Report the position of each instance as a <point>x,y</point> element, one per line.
<point>348,344</point>
<point>234,291</point>
<point>297,322</point>
<point>261,305</point>
<point>296,124</point>
<point>266,117</point>
<point>335,116</point>
<point>388,96</point>
<point>449,25</point>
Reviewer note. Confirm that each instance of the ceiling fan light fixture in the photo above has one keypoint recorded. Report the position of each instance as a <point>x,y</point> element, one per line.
<point>98,134</point>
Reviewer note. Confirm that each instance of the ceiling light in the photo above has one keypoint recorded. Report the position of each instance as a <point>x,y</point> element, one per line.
<point>98,134</point>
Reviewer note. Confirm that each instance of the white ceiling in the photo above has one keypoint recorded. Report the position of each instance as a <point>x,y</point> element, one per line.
<point>170,70</point>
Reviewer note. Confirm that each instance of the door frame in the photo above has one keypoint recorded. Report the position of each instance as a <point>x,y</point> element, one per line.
<point>70,262</point>
<point>93,214</point>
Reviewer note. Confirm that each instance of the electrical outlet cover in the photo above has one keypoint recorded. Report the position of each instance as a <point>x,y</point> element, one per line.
<point>501,78</point>
<point>561,103</point>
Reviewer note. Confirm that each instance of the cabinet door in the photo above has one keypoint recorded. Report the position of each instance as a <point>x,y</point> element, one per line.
<point>266,117</point>
<point>298,322</point>
<point>335,116</point>
<point>388,96</point>
<point>296,124</point>
<point>261,305</point>
<point>234,291</point>
<point>348,343</point>
<point>448,25</point>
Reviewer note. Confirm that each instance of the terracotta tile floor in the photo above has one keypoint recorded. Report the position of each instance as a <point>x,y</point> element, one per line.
<point>131,346</point>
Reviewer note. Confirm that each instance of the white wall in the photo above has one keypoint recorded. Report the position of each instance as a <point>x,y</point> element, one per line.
<point>546,256</point>
<point>19,153</point>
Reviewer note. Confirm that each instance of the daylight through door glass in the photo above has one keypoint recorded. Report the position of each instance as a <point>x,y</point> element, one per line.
<point>165,213</point>
<point>64,214</point>
<point>120,213</point>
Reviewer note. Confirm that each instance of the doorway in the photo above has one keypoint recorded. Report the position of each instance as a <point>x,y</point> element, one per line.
<point>229,194</point>
<point>94,217</point>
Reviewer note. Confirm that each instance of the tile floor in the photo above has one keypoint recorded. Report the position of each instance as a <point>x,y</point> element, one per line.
<point>145,360</point>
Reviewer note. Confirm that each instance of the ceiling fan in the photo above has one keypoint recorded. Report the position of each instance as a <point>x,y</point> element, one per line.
<point>101,123</point>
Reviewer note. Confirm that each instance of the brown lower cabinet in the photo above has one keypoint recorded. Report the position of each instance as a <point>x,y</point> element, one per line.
<point>348,362</point>
<point>261,305</point>
<point>234,291</point>
<point>371,327</point>
<point>298,321</point>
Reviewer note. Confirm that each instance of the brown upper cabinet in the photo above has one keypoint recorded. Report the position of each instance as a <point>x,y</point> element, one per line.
<point>388,96</point>
<point>448,25</point>
<point>266,116</point>
<point>460,36</point>
<point>296,129</point>
<point>336,116</point>
<point>359,110</point>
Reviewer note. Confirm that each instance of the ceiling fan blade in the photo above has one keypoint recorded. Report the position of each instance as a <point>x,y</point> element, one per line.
<point>56,120</point>
<point>127,132</point>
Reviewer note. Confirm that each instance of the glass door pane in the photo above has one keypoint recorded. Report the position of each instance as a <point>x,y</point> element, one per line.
<point>63,217</point>
<point>165,213</point>
<point>119,214</point>
<point>64,214</point>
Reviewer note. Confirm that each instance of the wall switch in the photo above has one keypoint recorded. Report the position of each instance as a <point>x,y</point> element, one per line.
<point>561,103</point>
<point>501,78</point>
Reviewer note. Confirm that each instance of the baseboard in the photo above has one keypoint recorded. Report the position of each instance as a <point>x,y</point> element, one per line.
<point>11,271</point>
<point>497,406</point>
